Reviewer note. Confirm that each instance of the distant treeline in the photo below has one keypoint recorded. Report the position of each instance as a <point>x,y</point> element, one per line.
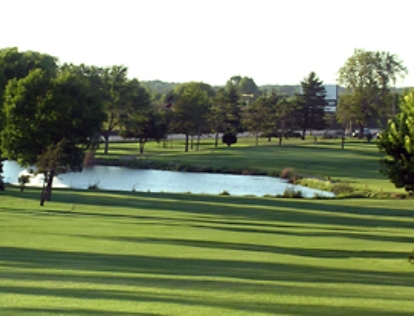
<point>163,88</point>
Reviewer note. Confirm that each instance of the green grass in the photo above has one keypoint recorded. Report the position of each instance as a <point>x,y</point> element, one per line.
<point>113,253</point>
<point>357,164</point>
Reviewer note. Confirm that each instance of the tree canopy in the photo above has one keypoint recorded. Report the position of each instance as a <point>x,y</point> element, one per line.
<point>42,111</point>
<point>367,77</point>
<point>311,104</point>
<point>397,143</point>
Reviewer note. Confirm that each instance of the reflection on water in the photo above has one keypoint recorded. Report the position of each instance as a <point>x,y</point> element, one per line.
<point>125,179</point>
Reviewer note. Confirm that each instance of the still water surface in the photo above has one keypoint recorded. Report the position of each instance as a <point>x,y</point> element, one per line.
<point>125,179</point>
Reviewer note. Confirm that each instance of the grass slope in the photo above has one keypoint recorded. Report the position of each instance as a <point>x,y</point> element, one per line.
<point>112,253</point>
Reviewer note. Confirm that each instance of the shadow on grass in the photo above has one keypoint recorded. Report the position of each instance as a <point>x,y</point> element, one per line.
<point>295,251</point>
<point>254,210</point>
<point>271,308</point>
<point>65,311</point>
<point>192,267</point>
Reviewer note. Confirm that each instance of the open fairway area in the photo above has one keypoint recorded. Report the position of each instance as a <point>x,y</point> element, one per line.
<point>111,253</point>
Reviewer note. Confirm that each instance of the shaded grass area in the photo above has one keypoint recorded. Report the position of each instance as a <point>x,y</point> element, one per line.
<point>356,164</point>
<point>125,253</point>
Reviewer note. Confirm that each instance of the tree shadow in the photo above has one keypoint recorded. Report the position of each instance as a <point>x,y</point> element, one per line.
<point>254,210</point>
<point>193,267</point>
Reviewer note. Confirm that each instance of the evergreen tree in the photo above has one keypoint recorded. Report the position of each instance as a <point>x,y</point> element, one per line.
<point>310,110</point>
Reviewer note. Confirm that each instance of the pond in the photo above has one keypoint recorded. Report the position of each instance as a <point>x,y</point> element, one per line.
<point>125,179</point>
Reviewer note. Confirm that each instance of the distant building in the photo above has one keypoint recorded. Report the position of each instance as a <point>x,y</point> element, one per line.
<point>331,97</point>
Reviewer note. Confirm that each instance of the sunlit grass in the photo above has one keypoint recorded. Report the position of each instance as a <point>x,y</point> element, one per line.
<point>124,253</point>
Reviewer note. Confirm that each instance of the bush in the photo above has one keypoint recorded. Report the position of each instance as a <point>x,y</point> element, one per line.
<point>342,188</point>
<point>229,139</point>
<point>23,180</point>
<point>291,193</point>
<point>224,193</point>
<point>290,175</point>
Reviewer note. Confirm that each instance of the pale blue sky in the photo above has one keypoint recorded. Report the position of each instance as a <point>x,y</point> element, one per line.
<point>272,41</point>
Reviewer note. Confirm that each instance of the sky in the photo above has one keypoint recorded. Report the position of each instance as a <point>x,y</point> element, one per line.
<point>271,41</point>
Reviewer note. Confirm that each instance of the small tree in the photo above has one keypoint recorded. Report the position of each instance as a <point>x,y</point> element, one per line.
<point>397,143</point>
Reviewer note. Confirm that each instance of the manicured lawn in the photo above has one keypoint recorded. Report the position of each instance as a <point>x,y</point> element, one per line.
<point>111,253</point>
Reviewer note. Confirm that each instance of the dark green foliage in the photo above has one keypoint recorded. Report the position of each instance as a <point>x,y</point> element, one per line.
<point>311,103</point>
<point>229,139</point>
<point>190,109</point>
<point>397,143</point>
<point>143,125</point>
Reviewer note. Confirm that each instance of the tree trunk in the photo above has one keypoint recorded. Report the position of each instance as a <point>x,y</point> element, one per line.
<point>361,132</point>
<point>186,143</point>
<point>304,133</point>
<point>198,142</point>
<point>216,140</point>
<point>269,138</point>
<point>280,139</point>
<point>49,185</point>
<point>141,148</point>
<point>106,137</point>
<point>192,138</point>
<point>257,139</point>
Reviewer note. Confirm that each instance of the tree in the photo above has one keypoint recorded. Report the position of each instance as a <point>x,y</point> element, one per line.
<point>277,119</point>
<point>310,110</point>
<point>248,90</point>
<point>144,125</point>
<point>17,65</point>
<point>44,114</point>
<point>114,89</point>
<point>225,113</point>
<point>397,143</point>
<point>367,77</point>
<point>191,108</point>
<point>254,116</point>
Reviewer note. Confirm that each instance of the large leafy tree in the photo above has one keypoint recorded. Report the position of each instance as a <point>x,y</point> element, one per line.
<point>139,119</point>
<point>310,109</point>
<point>190,109</point>
<point>247,88</point>
<point>368,77</point>
<point>46,115</point>
<point>115,95</point>
<point>16,65</point>
<point>397,143</point>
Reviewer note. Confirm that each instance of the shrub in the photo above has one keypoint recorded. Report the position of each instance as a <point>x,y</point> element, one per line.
<point>291,193</point>
<point>290,175</point>
<point>23,180</point>
<point>229,139</point>
<point>225,192</point>
<point>342,188</point>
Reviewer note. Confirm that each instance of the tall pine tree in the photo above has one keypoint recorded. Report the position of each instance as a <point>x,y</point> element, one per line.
<point>311,105</point>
